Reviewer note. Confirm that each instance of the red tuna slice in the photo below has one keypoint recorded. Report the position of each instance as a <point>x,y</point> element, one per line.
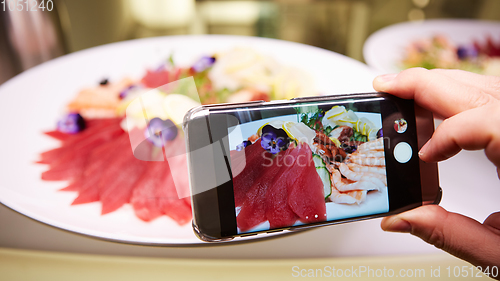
<point>278,211</point>
<point>176,202</point>
<point>155,79</point>
<point>148,193</point>
<point>90,143</point>
<point>72,163</point>
<point>58,135</point>
<point>88,192</point>
<point>306,196</point>
<point>100,159</point>
<point>93,126</point>
<point>89,125</point>
<point>117,182</point>
<point>85,137</point>
<point>175,184</point>
<point>187,201</point>
<point>52,155</point>
<point>65,172</point>
<point>175,153</point>
<point>238,162</point>
<point>256,160</point>
<point>173,206</point>
<point>74,186</point>
<point>253,209</point>
<point>69,166</point>
<point>180,175</point>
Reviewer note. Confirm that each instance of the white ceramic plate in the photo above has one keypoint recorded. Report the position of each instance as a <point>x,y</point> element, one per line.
<point>384,49</point>
<point>32,101</point>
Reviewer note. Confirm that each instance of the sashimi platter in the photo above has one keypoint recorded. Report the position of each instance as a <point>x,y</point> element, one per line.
<point>77,170</point>
<point>324,160</point>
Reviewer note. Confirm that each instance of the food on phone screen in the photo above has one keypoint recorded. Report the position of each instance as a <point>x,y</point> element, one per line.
<point>297,172</point>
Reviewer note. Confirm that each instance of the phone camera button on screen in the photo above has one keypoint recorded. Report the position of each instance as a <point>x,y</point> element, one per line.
<point>403,152</point>
<point>400,125</point>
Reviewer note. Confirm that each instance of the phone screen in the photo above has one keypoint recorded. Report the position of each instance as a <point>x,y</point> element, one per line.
<point>308,163</point>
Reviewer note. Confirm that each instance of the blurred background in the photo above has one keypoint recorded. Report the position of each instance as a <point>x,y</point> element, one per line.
<point>342,26</point>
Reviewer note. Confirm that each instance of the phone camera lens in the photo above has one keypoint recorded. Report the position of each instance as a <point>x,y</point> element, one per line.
<point>400,125</point>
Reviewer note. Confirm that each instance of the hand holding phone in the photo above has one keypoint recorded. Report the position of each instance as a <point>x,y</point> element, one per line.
<point>285,165</point>
<point>470,105</point>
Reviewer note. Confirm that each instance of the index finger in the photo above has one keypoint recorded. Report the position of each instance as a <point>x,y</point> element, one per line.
<point>434,91</point>
<point>487,83</point>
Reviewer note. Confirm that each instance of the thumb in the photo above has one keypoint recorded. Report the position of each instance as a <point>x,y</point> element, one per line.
<point>456,234</point>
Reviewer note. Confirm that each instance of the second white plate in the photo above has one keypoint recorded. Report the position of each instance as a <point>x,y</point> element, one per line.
<point>384,49</point>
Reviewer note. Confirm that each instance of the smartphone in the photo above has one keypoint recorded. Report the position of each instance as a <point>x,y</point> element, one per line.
<point>264,167</point>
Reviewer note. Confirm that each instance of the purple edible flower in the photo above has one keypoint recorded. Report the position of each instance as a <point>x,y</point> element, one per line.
<point>465,52</point>
<point>160,131</point>
<point>349,148</point>
<point>71,124</point>
<point>274,140</point>
<point>124,93</point>
<point>203,63</point>
<point>160,68</point>
<point>380,134</point>
<point>242,145</point>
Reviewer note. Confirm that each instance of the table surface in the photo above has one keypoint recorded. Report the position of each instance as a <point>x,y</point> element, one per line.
<point>34,265</point>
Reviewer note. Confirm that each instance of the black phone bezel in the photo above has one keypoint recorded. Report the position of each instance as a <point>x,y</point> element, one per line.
<point>214,212</point>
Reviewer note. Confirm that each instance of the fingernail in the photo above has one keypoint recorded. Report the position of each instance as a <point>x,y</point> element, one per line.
<point>386,77</point>
<point>424,149</point>
<point>382,82</point>
<point>399,225</point>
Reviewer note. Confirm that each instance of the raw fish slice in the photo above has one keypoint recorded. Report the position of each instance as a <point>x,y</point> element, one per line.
<point>175,153</point>
<point>55,155</point>
<point>253,209</point>
<point>71,164</point>
<point>179,209</point>
<point>172,206</point>
<point>306,196</point>
<point>97,125</point>
<point>89,125</point>
<point>256,160</point>
<point>74,186</point>
<point>118,191</point>
<point>155,79</point>
<point>58,135</point>
<point>84,147</point>
<point>237,161</point>
<point>50,156</point>
<point>187,201</point>
<point>88,194</point>
<point>278,212</point>
<point>349,197</point>
<point>147,194</point>
<point>175,201</point>
<point>180,175</point>
<point>65,172</point>
<point>117,183</point>
<point>81,139</point>
<point>99,161</point>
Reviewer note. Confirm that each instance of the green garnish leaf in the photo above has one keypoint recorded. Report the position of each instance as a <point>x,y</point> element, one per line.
<point>171,60</point>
